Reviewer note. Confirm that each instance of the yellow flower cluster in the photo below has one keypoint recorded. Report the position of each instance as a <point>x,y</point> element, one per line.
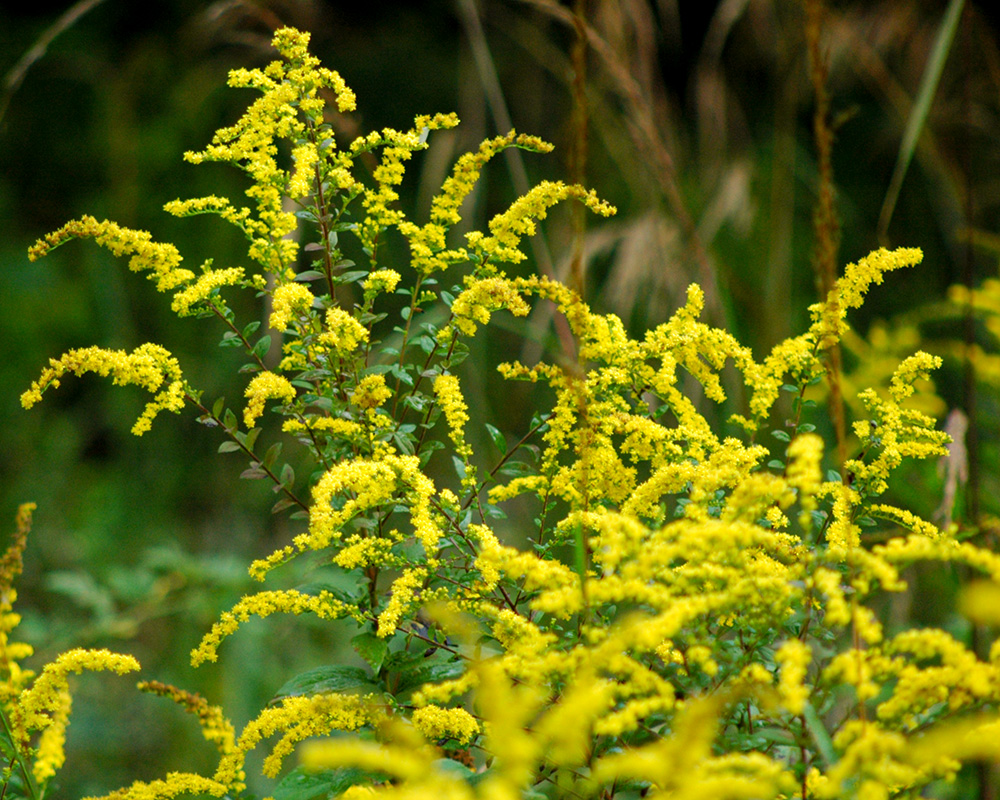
<point>435,722</point>
<point>262,605</point>
<point>289,301</point>
<point>396,148</point>
<point>263,387</point>
<point>381,281</point>
<point>162,260</point>
<point>215,727</point>
<point>681,585</point>
<point>202,288</point>
<point>518,221</point>
<point>297,718</point>
<point>343,333</point>
<point>428,249</point>
<point>371,392</point>
<point>149,366</point>
<point>13,678</point>
<point>449,397</point>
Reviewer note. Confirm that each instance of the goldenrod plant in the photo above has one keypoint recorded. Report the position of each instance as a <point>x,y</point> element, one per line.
<point>689,609</point>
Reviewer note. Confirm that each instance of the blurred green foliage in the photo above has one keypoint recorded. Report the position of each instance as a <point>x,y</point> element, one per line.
<point>699,130</point>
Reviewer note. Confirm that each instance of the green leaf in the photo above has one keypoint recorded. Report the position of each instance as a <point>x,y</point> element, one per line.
<point>309,275</point>
<point>287,475</point>
<point>251,438</point>
<point>229,447</point>
<point>918,114</point>
<point>300,784</point>
<point>781,435</point>
<point>413,679</point>
<point>499,441</point>
<point>217,407</point>
<point>263,345</point>
<point>251,328</point>
<point>371,648</point>
<point>281,505</point>
<point>271,455</point>
<point>336,678</point>
<point>229,420</point>
<point>819,733</point>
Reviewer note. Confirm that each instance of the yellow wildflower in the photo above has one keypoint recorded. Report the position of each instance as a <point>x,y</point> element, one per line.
<point>371,392</point>
<point>148,366</point>
<point>265,386</point>
<point>380,281</point>
<point>435,722</point>
<point>343,333</point>
<point>289,300</point>
<point>793,657</point>
<point>162,260</point>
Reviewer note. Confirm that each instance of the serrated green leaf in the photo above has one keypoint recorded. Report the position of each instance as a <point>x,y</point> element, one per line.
<point>371,648</point>
<point>413,679</point>
<point>301,784</point>
<point>334,678</point>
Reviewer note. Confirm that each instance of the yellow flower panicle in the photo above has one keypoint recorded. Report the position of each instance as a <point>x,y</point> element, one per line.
<point>161,260</point>
<point>149,366</point>
<point>793,657</point>
<point>215,727</point>
<point>371,392</point>
<point>208,282</point>
<point>289,301</point>
<point>343,333</point>
<point>449,397</point>
<point>264,604</point>
<point>174,785</point>
<point>518,221</point>
<point>381,281</point>
<point>46,705</point>
<point>428,248</point>
<point>371,485</point>
<point>435,722</point>
<point>13,678</point>
<point>298,718</point>
<point>265,386</point>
